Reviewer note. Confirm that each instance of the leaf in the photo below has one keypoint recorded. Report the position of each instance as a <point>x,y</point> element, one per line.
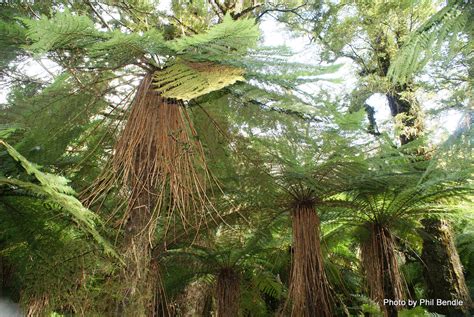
<point>187,80</point>
<point>62,31</point>
<point>231,37</point>
<point>55,187</point>
<point>123,48</point>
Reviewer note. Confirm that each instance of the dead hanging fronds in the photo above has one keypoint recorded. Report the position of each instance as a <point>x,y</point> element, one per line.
<point>381,267</point>
<point>159,171</point>
<point>37,306</point>
<point>310,292</point>
<point>160,161</point>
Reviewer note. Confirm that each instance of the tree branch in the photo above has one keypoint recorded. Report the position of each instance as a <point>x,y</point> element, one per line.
<point>98,15</point>
<point>281,10</point>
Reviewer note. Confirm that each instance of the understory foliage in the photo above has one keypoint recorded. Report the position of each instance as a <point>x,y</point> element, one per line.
<point>164,161</point>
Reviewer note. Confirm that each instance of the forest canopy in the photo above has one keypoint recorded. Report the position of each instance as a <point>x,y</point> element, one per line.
<point>236,158</point>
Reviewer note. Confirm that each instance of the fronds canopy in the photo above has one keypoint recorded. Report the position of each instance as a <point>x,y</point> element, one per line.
<point>231,39</point>
<point>199,59</point>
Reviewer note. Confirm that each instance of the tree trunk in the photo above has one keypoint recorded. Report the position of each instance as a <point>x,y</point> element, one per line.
<point>411,122</point>
<point>443,271</point>
<point>141,276</point>
<point>6,278</point>
<point>160,164</point>
<point>310,292</point>
<point>134,162</point>
<point>228,293</point>
<point>194,299</point>
<point>382,273</point>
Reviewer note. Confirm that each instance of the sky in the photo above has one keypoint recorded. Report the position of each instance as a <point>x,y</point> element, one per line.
<point>275,33</point>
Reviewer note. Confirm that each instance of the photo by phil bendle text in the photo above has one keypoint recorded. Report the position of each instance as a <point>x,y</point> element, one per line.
<point>423,301</point>
<point>441,302</point>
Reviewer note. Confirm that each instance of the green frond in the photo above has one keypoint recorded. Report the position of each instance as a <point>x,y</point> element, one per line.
<point>270,65</point>
<point>385,195</point>
<point>268,284</point>
<point>188,80</point>
<point>12,37</point>
<point>63,31</point>
<point>7,129</point>
<point>416,52</point>
<point>53,117</point>
<point>55,188</point>
<point>12,33</point>
<point>417,312</point>
<point>229,38</point>
<point>124,48</point>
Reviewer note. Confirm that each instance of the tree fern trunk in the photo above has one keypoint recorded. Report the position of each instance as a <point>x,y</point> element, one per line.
<point>134,160</point>
<point>309,290</point>
<point>381,268</point>
<point>160,164</point>
<point>228,293</point>
<point>443,270</point>
<point>194,299</point>
<point>140,276</point>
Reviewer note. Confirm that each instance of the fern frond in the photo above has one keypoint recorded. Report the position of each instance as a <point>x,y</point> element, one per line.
<point>267,283</point>
<point>414,55</point>
<point>56,189</point>
<point>231,38</point>
<point>122,48</point>
<point>63,31</point>
<point>187,80</point>
<point>12,33</point>
<point>12,37</point>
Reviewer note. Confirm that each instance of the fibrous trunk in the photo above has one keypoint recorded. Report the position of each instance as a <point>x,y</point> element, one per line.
<point>160,159</point>
<point>444,275</point>
<point>139,280</point>
<point>228,293</point>
<point>37,306</point>
<point>155,164</point>
<point>310,292</point>
<point>381,268</point>
<point>195,299</point>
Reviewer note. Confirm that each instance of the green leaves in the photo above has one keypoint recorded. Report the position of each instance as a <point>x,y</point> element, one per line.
<point>198,70</point>
<point>229,38</point>
<point>63,31</point>
<point>186,81</point>
<point>189,76</point>
<point>12,36</point>
<point>417,51</point>
<point>55,189</point>
<point>124,48</point>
